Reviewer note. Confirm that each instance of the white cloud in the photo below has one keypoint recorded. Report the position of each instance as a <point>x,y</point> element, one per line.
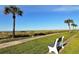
<point>67,8</point>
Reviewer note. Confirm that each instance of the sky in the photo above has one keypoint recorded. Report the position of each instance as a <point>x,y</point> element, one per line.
<point>40,17</point>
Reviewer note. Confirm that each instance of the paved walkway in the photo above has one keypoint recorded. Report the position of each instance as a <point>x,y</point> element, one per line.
<point>7,44</point>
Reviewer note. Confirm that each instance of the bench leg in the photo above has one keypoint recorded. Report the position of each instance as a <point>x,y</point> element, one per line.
<point>49,51</point>
<point>56,52</point>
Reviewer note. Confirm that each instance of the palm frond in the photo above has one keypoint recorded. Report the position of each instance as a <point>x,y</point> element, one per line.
<point>6,10</point>
<point>13,9</point>
<point>20,13</point>
<point>69,21</point>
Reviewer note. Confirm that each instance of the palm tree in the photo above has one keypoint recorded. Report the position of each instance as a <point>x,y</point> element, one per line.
<point>69,22</point>
<point>14,11</point>
<point>74,25</point>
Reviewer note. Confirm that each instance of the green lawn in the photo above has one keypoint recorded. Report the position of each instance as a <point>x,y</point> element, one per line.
<point>73,46</point>
<point>38,46</point>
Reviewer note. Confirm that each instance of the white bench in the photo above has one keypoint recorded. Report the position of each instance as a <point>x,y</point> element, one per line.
<point>53,47</point>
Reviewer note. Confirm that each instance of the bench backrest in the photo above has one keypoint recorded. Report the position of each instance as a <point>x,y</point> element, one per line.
<point>59,41</point>
<point>55,44</point>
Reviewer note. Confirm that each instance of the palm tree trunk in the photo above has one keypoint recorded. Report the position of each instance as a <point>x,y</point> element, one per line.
<point>73,28</point>
<point>14,25</point>
<point>69,28</point>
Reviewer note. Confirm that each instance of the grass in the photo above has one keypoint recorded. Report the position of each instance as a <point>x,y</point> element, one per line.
<point>38,46</point>
<point>73,46</point>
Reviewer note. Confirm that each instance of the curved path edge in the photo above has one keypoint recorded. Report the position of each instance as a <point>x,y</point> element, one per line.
<point>12,43</point>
